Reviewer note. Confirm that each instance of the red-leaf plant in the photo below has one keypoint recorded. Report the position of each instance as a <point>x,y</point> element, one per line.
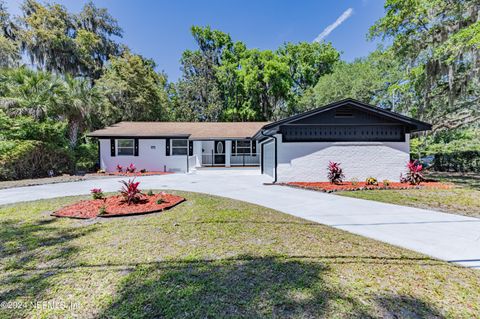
<point>414,175</point>
<point>335,173</point>
<point>130,191</point>
<point>131,168</point>
<point>119,168</point>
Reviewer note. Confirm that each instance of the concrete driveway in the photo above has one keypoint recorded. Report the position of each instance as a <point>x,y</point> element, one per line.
<point>445,236</point>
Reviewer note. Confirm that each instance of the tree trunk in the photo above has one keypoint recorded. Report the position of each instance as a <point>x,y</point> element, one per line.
<point>74,127</point>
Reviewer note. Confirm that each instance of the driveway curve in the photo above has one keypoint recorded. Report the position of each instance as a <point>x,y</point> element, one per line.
<point>453,238</point>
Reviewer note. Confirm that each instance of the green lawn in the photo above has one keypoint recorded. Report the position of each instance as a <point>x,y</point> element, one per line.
<point>212,257</point>
<point>463,199</point>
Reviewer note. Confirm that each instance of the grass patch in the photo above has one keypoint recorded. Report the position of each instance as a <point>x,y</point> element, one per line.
<point>464,199</point>
<point>215,257</point>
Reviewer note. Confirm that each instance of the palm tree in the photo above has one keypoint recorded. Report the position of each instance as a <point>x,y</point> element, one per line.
<point>79,100</point>
<point>29,93</point>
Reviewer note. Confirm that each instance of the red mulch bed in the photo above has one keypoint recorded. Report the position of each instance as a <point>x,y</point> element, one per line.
<point>131,174</point>
<point>348,186</point>
<point>115,206</point>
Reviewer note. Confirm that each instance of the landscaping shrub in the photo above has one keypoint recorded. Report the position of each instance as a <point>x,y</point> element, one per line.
<point>33,159</point>
<point>26,128</point>
<point>386,183</point>
<point>119,168</point>
<point>102,210</point>
<point>131,168</point>
<point>335,173</point>
<point>463,161</point>
<point>86,157</point>
<point>414,175</point>
<point>371,181</point>
<point>130,191</point>
<point>97,193</point>
<point>162,200</point>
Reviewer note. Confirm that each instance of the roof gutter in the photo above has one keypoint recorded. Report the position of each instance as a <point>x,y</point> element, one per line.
<point>276,159</point>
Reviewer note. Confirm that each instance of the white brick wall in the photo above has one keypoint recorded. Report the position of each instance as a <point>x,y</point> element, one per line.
<point>151,159</point>
<point>305,162</point>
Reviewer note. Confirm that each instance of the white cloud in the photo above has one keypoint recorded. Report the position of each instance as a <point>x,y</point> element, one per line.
<point>344,16</point>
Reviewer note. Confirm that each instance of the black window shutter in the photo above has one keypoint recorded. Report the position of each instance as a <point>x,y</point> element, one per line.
<point>254,148</point>
<point>233,147</point>
<point>135,149</point>
<point>167,147</point>
<point>112,147</point>
<point>190,148</point>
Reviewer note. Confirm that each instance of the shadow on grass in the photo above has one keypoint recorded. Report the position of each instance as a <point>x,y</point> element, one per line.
<point>405,307</point>
<point>25,248</point>
<point>248,287</point>
<point>469,180</point>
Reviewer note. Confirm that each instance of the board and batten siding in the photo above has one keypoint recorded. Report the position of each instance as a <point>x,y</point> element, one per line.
<point>308,161</point>
<point>151,156</point>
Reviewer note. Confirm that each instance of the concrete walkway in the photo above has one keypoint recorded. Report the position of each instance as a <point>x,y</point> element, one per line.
<point>449,237</point>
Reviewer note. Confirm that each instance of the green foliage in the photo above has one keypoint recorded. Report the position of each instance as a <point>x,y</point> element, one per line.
<point>79,103</point>
<point>446,142</point>
<point>102,210</point>
<point>9,52</point>
<point>368,80</point>
<point>134,89</point>
<point>308,62</point>
<point>224,80</point>
<point>27,159</point>
<point>26,128</point>
<point>437,44</point>
<point>27,92</point>
<point>78,44</point>
<point>86,156</point>
<point>458,161</point>
<point>9,47</point>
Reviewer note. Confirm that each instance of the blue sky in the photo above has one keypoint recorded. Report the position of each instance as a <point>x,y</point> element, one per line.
<point>161,29</point>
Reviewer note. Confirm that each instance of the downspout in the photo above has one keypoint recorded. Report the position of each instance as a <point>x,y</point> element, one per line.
<point>188,153</point>
<point>276,160</point>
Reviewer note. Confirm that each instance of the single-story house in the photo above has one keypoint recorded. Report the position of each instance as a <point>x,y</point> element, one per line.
<point>366,140</point>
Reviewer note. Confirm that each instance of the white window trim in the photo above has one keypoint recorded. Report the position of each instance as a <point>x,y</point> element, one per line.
<point>250,148</point>
<point>117,147</point>
<point>178,147</point>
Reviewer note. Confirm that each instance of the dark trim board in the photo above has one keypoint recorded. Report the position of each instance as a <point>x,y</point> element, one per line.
<point>342,133</point>
<point>411,124</point>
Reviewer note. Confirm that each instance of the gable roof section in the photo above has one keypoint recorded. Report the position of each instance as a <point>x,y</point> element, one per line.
<point>413,124</point>
<point>191,130</point>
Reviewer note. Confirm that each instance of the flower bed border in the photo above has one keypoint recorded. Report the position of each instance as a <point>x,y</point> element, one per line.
<point>91,207</point>
<point>327,187</point>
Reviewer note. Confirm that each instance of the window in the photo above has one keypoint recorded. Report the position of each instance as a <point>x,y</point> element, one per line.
<point>243,147</point>
<point>125,147</point>
<point>179,147</point>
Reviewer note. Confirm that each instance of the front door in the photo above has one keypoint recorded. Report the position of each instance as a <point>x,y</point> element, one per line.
<point>219,150</point>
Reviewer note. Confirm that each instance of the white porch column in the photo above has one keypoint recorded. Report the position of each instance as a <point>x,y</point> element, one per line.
<point>197,151</point>
<point>228,152</point>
